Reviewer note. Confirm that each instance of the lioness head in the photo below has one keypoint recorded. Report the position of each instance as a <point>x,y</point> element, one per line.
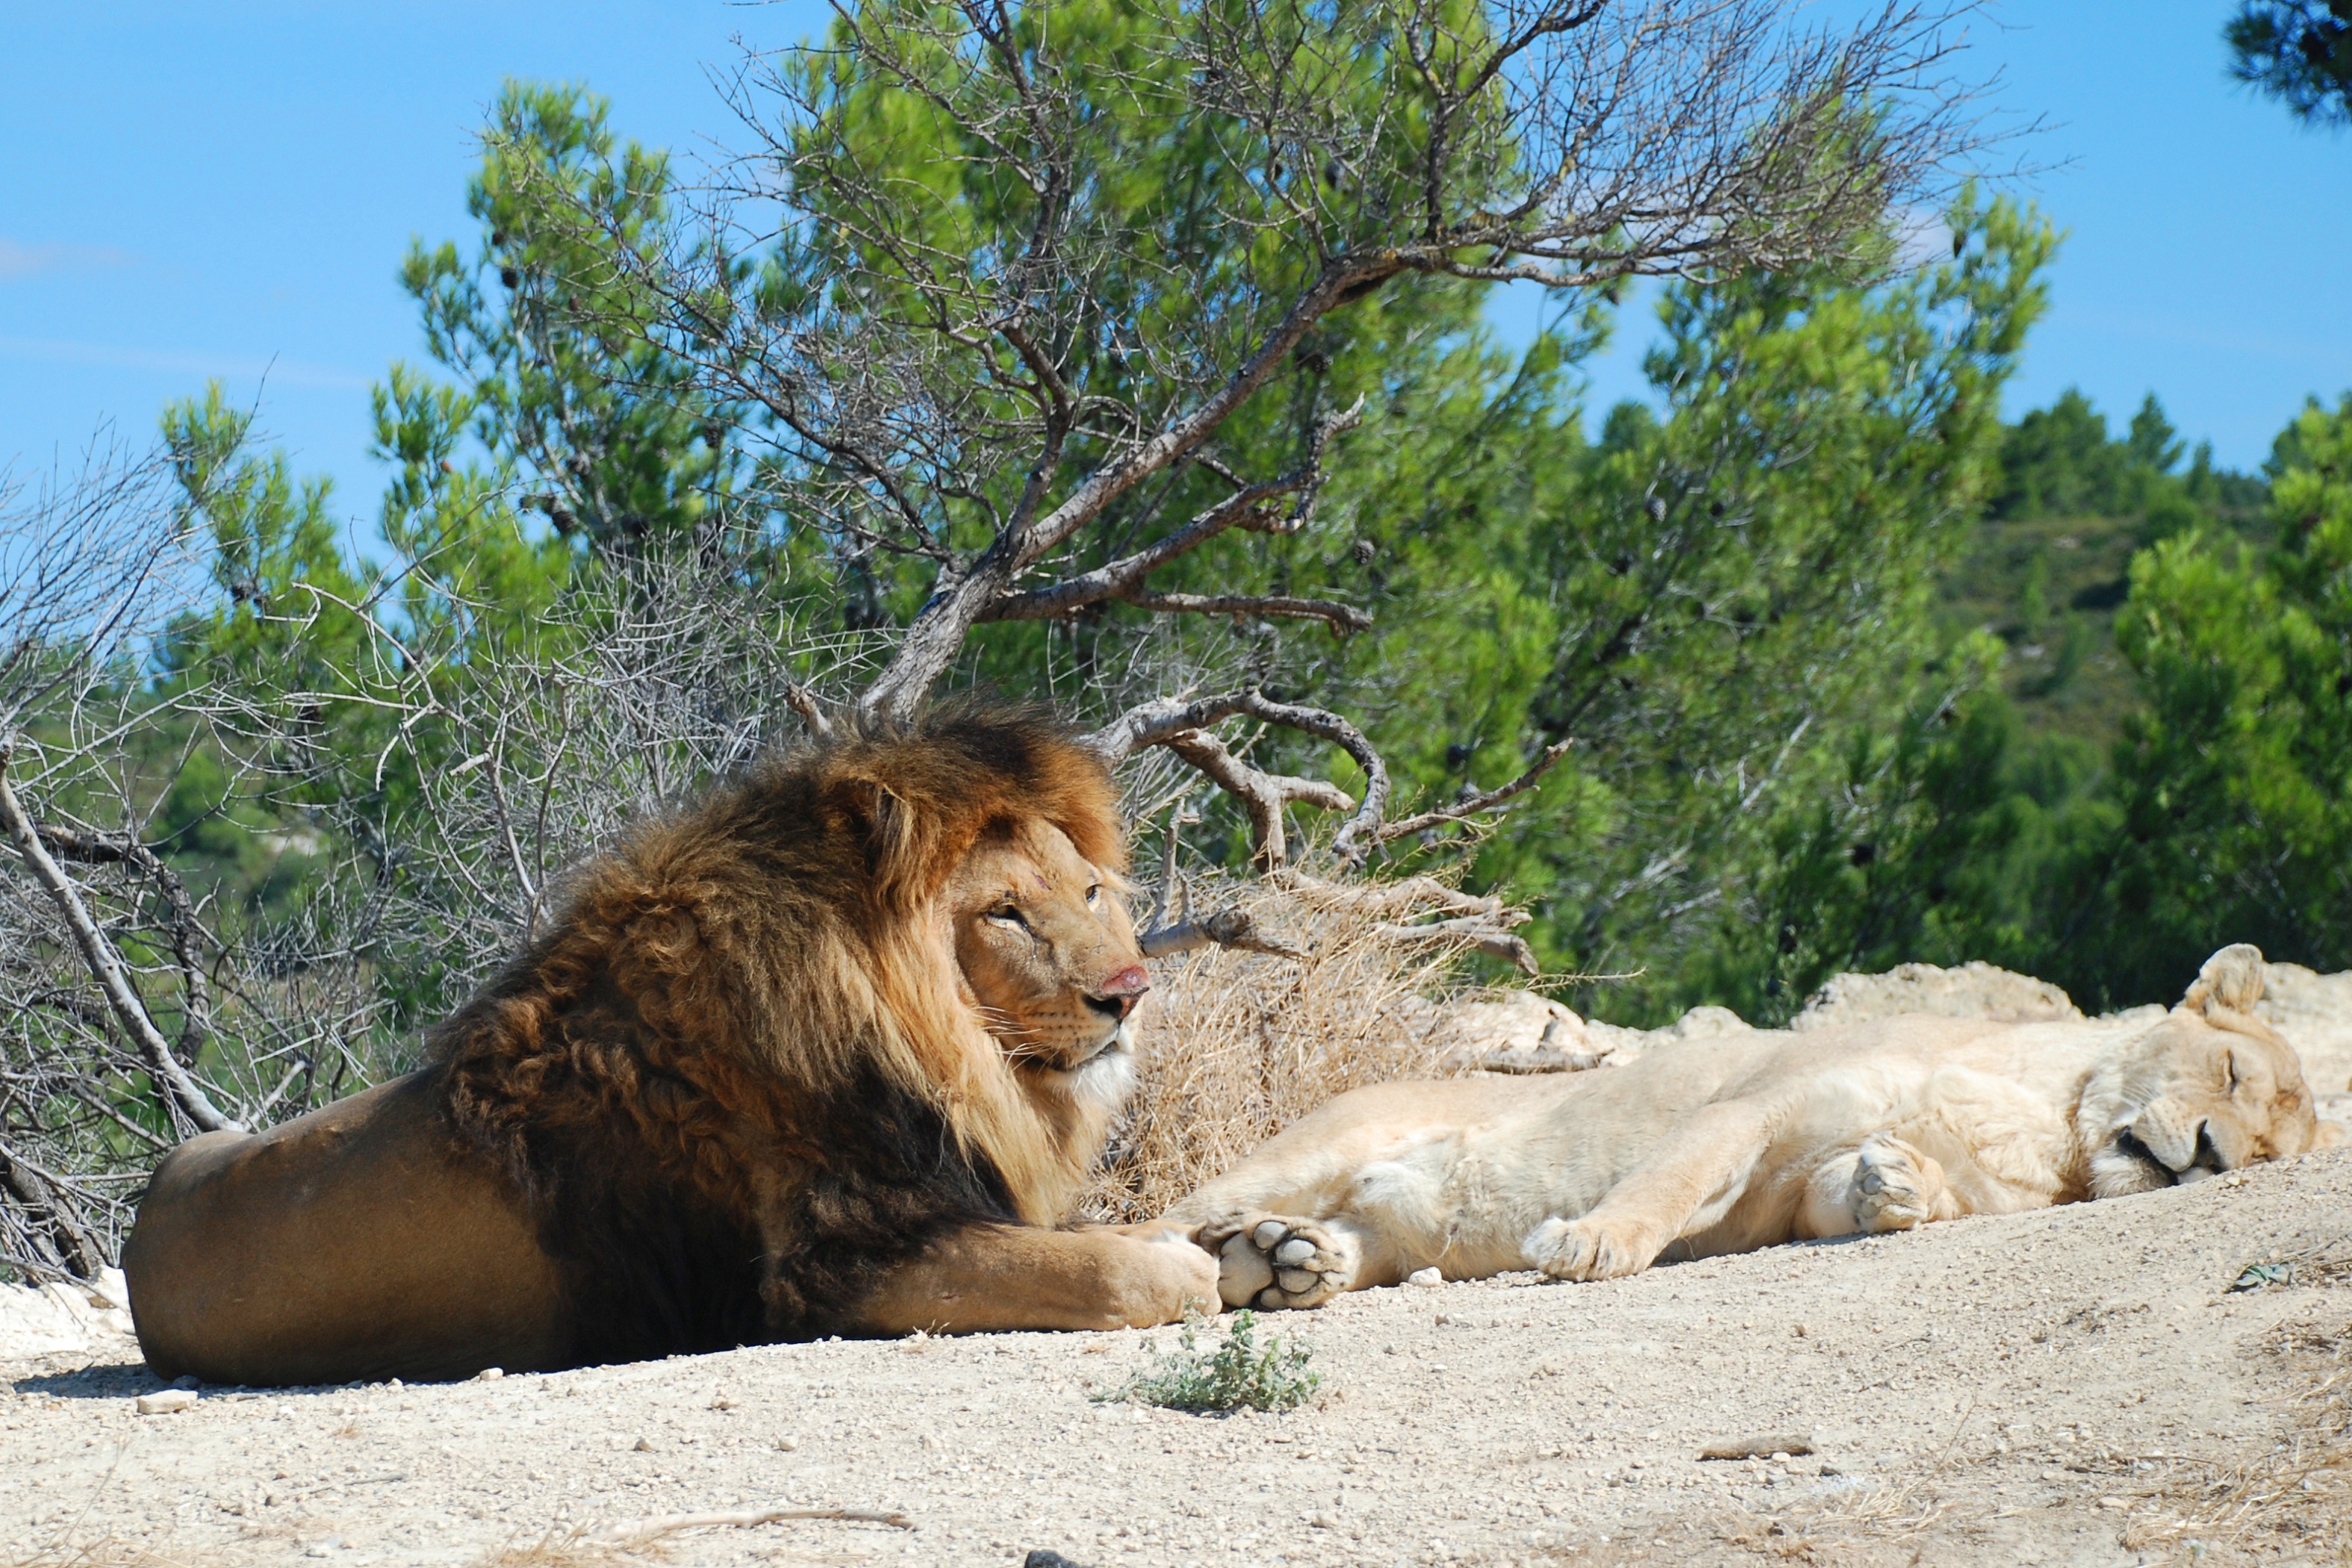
<point>2209,1090</point>
<point>1048,957</point>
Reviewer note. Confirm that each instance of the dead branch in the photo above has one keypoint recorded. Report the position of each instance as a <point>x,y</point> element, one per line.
<point>802,701</point>
<point>1479,923</point>
<point>1413,896</point>
<point>1478,804</point>
<point>922,394</point>
<point>34,1191</point>
<point>1172,928</point>
<point>670,1524</point>
<point>186,933</point>
<point>180,1091</point>
<point>1264,795</point>
<point>1482,935</point>
<point>1174,723</point>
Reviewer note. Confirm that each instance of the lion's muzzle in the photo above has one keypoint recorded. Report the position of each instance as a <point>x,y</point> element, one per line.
<point>1117,994</point>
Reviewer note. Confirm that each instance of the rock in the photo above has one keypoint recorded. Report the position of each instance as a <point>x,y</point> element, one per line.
<point>1044,1557</point>
<point>2313,1012</point>
<point>489,1374</point>
<point>1781,1446</point>
<point>1973,990</point>
<point>166,1402</point>
<point>66,1318</point>
<point>1519,1032</point>
<point>1426,1278</point>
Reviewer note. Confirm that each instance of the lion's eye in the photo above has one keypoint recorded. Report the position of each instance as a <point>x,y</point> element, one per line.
<point>2229,1062</point>
<point>1010,915</point>
<point>1094,894</point>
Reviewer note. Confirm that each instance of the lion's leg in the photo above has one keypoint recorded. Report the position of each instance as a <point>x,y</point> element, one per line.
<point>1688,1183</point>
<point>999,1278</point>
<point>1268,1261</point>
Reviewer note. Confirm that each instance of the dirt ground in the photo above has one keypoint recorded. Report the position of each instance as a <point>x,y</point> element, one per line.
<point>2078,1385</point>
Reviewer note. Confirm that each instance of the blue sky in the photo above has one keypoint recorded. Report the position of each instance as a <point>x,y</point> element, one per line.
<point>226,189</point>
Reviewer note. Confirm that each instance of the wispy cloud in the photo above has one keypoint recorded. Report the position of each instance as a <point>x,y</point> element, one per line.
<point>19,259</point>
<point>289,373</point>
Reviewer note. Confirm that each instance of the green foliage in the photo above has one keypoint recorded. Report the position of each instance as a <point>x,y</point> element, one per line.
<point>2236,778</point>
<point>1833,642</point>
<point>1709,601</point>
<point>2297,51</point>
<point>562,379</point>
<point>1235,1374</point>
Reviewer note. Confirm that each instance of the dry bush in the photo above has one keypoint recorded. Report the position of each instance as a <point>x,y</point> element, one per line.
<point>1239,1045</point>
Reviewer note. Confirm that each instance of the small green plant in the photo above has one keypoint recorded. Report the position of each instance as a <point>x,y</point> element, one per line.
<point>1227,1376</point>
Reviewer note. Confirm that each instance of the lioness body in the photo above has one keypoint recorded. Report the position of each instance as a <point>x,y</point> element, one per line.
<point>829,1053</point>
<point>1722,1145</point>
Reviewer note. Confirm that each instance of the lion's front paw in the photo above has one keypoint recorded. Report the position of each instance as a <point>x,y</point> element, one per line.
<point>1590,1249</point>
<point>1894,1185</point>
<point>1280,1260</point>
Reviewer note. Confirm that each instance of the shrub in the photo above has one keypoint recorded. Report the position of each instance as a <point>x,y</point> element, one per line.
<point>1235,1374</point>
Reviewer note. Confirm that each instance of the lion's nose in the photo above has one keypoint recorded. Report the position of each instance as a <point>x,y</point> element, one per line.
<point>1122,990</point>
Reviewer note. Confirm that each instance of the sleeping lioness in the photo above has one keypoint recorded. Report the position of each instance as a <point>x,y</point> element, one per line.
<point>1712,1146</point>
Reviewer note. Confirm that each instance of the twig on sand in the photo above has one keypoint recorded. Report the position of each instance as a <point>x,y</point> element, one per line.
<point>631,1531</point>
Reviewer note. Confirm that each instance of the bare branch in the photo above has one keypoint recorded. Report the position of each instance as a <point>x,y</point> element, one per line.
<point>802,701</point>
<point>1393,901</point>
<point>1166,720</point>
<point>171,1079</point>
<point>1482,935</point>
<point>186,933</point>
<point>1232,927</point>
<point>1478,804</point>
<point>1264,796</point>
<point>1341,618</point>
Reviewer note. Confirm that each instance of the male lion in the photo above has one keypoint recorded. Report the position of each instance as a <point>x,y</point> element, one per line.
<point>829,1053</point>
<point>1711,1146</point>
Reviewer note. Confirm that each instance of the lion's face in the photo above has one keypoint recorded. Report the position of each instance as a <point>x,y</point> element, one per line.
<point>1048,956</point>
<point>2188,1100</point>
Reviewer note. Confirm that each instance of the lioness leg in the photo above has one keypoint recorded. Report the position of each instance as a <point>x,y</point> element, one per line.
<point>1687,1183</point>
<point>1281,1260</point>
<point>1001,1277</point>
<point>1883,1184</point>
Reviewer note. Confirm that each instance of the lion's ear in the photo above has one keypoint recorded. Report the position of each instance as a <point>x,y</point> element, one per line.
<point>2232,978</point>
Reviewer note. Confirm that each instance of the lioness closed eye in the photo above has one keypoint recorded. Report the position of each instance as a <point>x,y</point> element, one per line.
<point>1728,1144</point>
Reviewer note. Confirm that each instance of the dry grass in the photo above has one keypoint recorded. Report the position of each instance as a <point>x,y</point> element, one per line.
<point>557,1549</point>
<point>1239,1045</point>
<point>2297,1496</point>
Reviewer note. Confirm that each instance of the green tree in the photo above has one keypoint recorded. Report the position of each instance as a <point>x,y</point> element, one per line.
<point>2236,779</point>
<point>2297,51</point>
<point>1712,603</point>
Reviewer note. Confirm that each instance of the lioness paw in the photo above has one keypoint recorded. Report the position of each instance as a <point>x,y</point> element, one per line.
<point>1280,1260</point>
<point>1590,1249</point>
<point>1895,1186</point>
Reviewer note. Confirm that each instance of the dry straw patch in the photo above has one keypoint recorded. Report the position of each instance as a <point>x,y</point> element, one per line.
<point>2297,1496</point>
<point>1239,1045</point>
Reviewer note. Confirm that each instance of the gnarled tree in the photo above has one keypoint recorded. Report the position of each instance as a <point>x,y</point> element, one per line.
<point>1027,303</point>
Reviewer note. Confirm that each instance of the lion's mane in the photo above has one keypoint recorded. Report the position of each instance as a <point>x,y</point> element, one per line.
<point>735,1080</point>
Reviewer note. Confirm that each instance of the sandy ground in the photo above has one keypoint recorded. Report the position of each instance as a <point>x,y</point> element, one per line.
<point>2073,1386</point>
